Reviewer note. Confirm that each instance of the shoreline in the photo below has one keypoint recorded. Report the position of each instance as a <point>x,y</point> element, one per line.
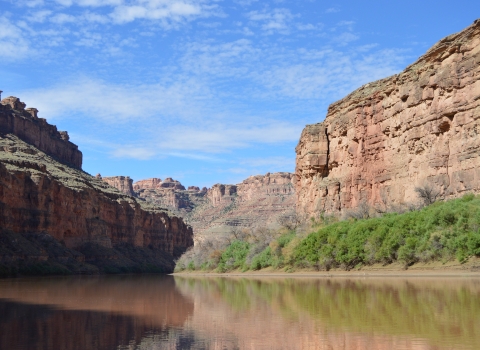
<point>435,269</point>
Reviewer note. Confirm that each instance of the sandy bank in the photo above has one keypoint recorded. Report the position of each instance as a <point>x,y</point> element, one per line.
<point>434,269</point>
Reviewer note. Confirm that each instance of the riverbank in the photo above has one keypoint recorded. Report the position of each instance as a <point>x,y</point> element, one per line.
<point>470,268</point>
<point>441,235</point>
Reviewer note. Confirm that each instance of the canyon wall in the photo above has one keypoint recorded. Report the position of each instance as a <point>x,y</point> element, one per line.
<point>418,128</point>
<point>26,124</point>
<point>76,208</point>
<point>258,201</point>
<point>40,194</point>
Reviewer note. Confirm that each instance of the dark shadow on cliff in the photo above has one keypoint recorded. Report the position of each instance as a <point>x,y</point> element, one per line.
<point>40,254</point>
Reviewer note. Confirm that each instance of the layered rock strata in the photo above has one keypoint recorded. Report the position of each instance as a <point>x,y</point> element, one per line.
<point>26,124</point>
<point>40,194</point>
<point>257,201</point>
<point>123,183</point>
<point>417,128</point>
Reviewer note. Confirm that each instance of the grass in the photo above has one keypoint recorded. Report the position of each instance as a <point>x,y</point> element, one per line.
<point>443,231</point>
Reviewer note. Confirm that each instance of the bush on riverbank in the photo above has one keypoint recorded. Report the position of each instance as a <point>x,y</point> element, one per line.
<point>442,232</point>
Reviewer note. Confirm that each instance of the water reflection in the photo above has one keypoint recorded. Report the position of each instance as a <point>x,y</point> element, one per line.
<point>339,313</point>
<point>162,312</point>
<point>90,312</point>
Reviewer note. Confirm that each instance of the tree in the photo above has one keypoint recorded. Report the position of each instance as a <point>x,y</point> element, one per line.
<point>290,221</point>
<point>427,193</point>
<point>362,211</point>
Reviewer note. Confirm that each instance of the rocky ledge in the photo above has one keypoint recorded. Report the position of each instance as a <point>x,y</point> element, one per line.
<point>418,128</point>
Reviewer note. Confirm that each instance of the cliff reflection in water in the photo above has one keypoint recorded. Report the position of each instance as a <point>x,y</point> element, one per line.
<point>163,312</point>
<point>90,313</point>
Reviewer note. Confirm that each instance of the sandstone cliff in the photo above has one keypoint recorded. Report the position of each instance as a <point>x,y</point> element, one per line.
<point>123,183</point>
<point>412,129</point>
<point>26,124</point>
<point>40,194</point>
<point>256,202</point>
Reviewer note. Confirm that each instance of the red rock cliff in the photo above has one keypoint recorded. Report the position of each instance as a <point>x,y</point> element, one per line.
<point>40,194</point>
<point>122,183</point>
<point>418,127</point>
<point>25,124</point>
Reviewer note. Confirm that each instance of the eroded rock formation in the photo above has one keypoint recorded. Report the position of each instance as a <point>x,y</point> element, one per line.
<point>26,124</point>
<point>123,183</point>
<point>420,127</point>
<point>257,201</point>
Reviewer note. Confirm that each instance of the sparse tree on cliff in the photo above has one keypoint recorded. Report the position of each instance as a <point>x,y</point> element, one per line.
<point>427,193</point>
<point>291,221</point>
<point>362,211</point>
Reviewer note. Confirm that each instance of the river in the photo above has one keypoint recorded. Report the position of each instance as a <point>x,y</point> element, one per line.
<point>167,312</point>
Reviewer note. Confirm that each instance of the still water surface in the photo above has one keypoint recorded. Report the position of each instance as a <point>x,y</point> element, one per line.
<point>165,312</point>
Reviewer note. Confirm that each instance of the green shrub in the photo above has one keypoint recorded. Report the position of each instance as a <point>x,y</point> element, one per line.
<point>439,231</point>
<point>234,256</point>
<point>262,260</point>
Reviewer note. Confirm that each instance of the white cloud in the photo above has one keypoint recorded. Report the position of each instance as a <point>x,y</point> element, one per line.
<point>272,162</point>
<point>29,3</point>
<point>333,74</point>
<point>13,44</point>
<point>307,26</point>
<point>40,16</point>
<point>323,74</point>
<point>245,2</point>
<point>89,3</point>
<point>332,10</point>
<point>224,59</point>
<point>114,103</point>
<point>156,119</point>
<point>172,10</point>
<point>122,11</point>
<point>278,20</point>
<point>140,153</point>
<point>344,38</point>
<point>62,18</point>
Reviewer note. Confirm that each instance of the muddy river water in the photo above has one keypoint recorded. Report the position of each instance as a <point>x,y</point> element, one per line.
<point>166,312</point>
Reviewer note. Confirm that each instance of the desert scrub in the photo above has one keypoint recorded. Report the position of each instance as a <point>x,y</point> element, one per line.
<point>441,231</point>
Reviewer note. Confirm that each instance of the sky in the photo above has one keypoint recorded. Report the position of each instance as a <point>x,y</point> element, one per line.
<point>205,91</point>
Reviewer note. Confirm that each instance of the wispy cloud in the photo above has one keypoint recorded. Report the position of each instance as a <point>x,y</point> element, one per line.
<point>13,43</point>
<point>157,10</point>
<point>177,113</point>
<point>332,10</point>
<point>273,21</point>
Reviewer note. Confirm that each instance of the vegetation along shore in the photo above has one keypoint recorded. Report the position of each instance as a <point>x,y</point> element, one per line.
<point>440,235</point>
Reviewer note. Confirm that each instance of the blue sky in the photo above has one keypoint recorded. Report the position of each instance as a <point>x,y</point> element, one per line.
<point>204,91</point>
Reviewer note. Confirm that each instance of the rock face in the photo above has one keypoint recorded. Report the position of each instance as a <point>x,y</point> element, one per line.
<point>123,183</point>
<point>420,127</point>
<point>75,207</point>
<point>24,123</point>
<point>257,201</point>
<point>40,194</point>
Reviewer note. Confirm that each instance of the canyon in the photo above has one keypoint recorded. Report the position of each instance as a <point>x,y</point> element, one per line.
<point>258,201</point>
<point>44,193</point>
<point>419,128</point>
